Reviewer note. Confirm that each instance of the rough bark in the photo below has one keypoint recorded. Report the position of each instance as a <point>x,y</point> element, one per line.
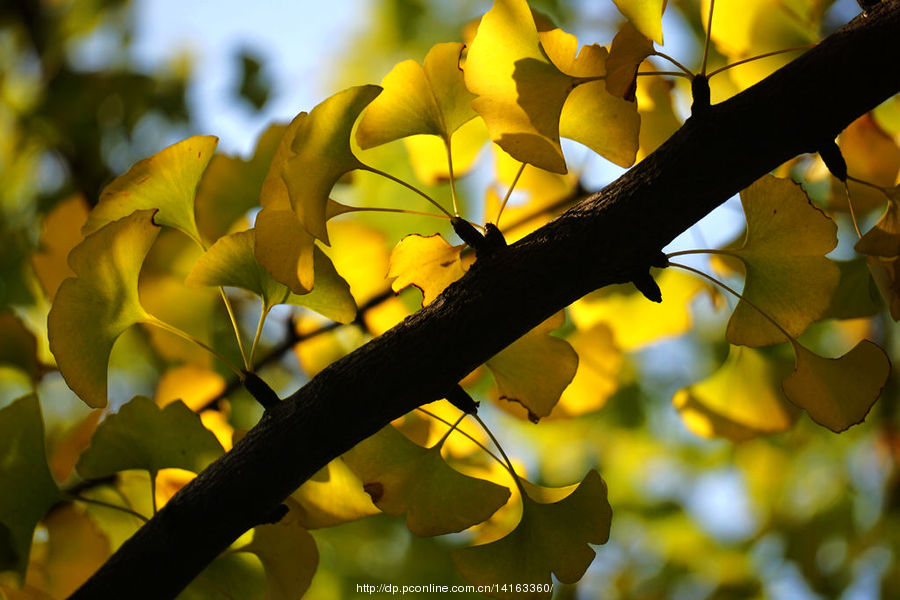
<point>609,238</point>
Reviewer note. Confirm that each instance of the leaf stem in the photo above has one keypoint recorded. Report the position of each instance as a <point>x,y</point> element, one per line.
<point>449,431</point>
<point>701,251</point>
<point>867,183</point>
<point>234,324</point>
<point>852,212</point>
<point>739,296</point>
<point>151,320</point>
<point>509,465</point>
<point>669,73</point>
<point>124,509</point>
<point>452,178</point>
<point>397,210</point>
<point>509,192</point>
<point>471,438</point>
<point>264,312</point>
<point>153,491</point>
<point>674,62</point>
<point>712,4</point>
<point>766,55</point>
<point>408,186</point>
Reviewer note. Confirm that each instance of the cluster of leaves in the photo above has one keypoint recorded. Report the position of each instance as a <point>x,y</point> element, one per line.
<point>176,222</point>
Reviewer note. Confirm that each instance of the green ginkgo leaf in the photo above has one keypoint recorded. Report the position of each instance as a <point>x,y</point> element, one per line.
<point>90,311</point>
<point>403,477</point>
<point>535,369</point>
<point>553,536</point>
<point>143,436</point>
<point>166,181</point>
<point>289,557</point>
<point>520,92</point>
<point>332,496</point>
<point>28,488</point>
<point>856,294</point>
<point>628,50</point>
<point>430,99</point>
<point>838,393</point>
<point>646,15</point>
<point>788,276</point>
<point>741,400</point>
<point>321,154</point>
<point>428,263</point>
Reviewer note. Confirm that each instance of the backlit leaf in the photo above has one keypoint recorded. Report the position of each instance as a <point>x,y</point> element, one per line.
<point>884,238</point>
<point>629,49</point>
<point>28,488</point>
<point>856,294</point>
<point>430,99</point>
<point>166,181</point>
<point>886,276</point>
<point>784,251</point>
<point>739,401</point>
<point>321,154</point>
<point>838,393</point>
<point>596,378</point>
<point>658,118</point>
<point>92,309</point>
<point>289,556</point>
<point>403,477</point>
<point>429,263</point>
<point>332,496</point>
<point>428,154</point>
<point>143,436</point>
<point>520,93</point>
<point>646,15</point>
<point>535,369</point>
<point>60,232</point>
<point>551,537</point>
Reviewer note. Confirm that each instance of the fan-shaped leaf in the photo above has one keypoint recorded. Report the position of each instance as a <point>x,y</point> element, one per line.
<point>646,15</point>
<point>535,369</point>
<point>403,477</point>
<point>784,251</point>
<point>143,436</point>
<point>429,263</point>
<point>28,488</point>
<point>166,181</point>
<point>332,496</point>
<point>884,238</point>
<point>550,538</point>
<point>838,393</point>
<point>629,49</point>
<point>92,309</point>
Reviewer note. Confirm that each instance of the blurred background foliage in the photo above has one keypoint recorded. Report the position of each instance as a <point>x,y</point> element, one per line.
<point>800,514</point>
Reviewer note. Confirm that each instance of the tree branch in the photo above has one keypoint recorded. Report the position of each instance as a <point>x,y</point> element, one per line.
<point>612,237</point>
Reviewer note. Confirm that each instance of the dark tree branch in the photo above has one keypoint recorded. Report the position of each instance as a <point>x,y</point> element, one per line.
<point>606,239</point>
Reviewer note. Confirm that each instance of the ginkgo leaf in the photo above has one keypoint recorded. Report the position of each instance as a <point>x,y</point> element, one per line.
<point>887,278</point>
<point>428,154</point>
<point>430,99</point>
<point>18,346</point>
<point>428,263</point>
<point>285,248</point>
<point>550,538</point>
<point>658,118</point>
<point>646,15</point>
<point>321,154</point>
<point>332,496</point>
<point>838,393</point>
<point>535,369</point>
<point>289,556</point>
<point>856,294</point>
<point>739,401</point>
<point>28,488</point>
<point>884,238</point>
<point>628,50</point>
<point>788,276</point>
<point>143,436</point>
<point>403,477</point>
<point>166,181</point>
<point>520,92</point>
<point>60,232</point>
<point>591,115</point>
<point>599,361</point>
<point>90,311</point>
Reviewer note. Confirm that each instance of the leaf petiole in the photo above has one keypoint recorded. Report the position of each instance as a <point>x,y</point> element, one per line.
<point>452,178</point>
<point>151,320</point>
<point>701,251</point>
<point>712,4</point>
<point>766,55</point>
<point>509,192</point>
<point>852,212</point>
<point>674,62</point>
<point>124,509</point>
<point>408,186</point>
<point>264,312</point>
<point>508,465</point>
<point>472,439</point>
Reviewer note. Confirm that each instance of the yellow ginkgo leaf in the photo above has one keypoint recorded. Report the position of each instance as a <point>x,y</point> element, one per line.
<point>332,496</point>
<point>646,15</point>
<point>403,477</point>
<point>166,181</point>
<point>61,231</point>
<point>739,401</point>
<point>428,154</point>
<point>838,393</point>
<point>428,263</point>
<point>872,154</point>
<point>520,92</point>
<point>321,154</point>
<point>788,276</point>
<point>634,320</point>
<point>285,249</point>
<point>658,118</point>
<point>535,369</point>
<point>629,49</point>
<point>596,379</point>
<point>430,99</point>
<point>90,311</point>
<point>192,384</point>
<point>884,238</point>
<point>231,262</point>
<point>553,536</point>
